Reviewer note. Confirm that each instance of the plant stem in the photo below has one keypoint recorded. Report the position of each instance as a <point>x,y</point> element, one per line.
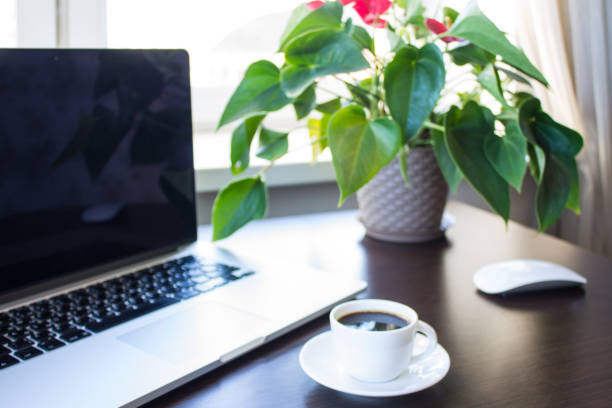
<point>433,126</point>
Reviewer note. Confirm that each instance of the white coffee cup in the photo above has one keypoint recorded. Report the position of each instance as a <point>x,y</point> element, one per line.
<point>378,356</point>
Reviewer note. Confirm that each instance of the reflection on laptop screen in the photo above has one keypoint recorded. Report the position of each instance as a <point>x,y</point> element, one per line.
<point>96,160</point>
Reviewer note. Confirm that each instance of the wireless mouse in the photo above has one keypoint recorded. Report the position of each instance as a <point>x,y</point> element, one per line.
<point>524,275</point>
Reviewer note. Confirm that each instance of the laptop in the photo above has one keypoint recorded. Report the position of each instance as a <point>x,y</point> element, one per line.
<point>107,297</point>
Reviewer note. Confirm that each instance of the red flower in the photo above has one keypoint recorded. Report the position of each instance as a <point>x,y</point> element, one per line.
<point>313,5</point>
<point>437,27</point>
<point>371,10</point>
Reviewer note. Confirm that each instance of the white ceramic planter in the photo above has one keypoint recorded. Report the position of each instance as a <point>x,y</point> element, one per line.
<point>393,211</point>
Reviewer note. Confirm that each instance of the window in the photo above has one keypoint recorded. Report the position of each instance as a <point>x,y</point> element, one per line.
<point>222,38</point>
<point>8,23</point>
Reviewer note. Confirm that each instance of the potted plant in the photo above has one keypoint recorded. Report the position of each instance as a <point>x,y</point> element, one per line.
<point>397,103</point>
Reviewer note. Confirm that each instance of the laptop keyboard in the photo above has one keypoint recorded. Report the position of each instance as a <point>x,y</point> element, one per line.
<point>43,326</point>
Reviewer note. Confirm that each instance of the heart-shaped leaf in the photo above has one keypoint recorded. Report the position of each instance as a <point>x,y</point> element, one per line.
<point>259,92</point>
<point>237,204</point>
<point>303,20</point>
<point>449,169</point>
<point>272,144</point>
<point>553,192</point>
<point>541,129</point>
<point>466,132</point>
<point>317,54</point>
<point>474,26</point>
<point>306,102</point>
<point>554,137</point>
<point>360,147</point>
<point>413,81</point>
<point>241,143</point>
<point>507,154</point>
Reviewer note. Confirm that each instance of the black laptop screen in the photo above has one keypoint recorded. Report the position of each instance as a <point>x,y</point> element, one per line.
<point>96,159</point>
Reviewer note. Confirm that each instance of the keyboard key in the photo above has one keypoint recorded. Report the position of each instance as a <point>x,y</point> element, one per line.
<point>20,344</point>
<point>129,315</point>
<point>4,350</point>
<point>50,344</point>
<point>7,361</point>
<point>28,353</point>
<point>73,335</point>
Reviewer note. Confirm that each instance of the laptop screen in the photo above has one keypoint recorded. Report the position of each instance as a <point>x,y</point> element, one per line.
<point>96,159</point>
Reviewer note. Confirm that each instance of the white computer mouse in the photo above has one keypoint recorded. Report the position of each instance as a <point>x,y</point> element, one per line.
<point>524,275</point>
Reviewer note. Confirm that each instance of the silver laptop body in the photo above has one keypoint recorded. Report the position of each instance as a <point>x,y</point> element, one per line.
<point>57,238</point>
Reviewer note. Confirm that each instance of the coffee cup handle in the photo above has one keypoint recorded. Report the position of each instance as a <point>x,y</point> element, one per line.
<point>431,335</point>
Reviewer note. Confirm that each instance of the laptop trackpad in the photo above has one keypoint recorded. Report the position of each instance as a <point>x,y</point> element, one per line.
<point>203,333</point>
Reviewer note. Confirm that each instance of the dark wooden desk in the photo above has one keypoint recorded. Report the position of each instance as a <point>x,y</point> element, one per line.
<point>544,350</point>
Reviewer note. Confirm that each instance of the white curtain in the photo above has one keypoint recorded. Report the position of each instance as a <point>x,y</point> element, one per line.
<point>571,42</point>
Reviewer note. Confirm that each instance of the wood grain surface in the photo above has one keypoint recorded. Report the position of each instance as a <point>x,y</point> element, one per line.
<point>551,349</point>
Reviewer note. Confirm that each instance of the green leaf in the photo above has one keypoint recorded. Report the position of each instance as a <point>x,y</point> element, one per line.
<point>237,204</point>
<point>489,79</point>
<point>514,76</point>
<point>241,143</point>
<point>537,160</point>
<point>413,81</point>
<point>303,21</point>
<point>330,106</point>
<point>450,13</point>
<point>475,27</point>
<point>507,154</point>
<point>348,26</point>
<point>527,111</point>
<point>317,54</point>
<point>449,169</point>
<point>305,102</point>
<point>360,147</point>
<point>573,201</point>
<point>554,137</point>
<point>553,192</point>
<point>359,91</point>
<point>258,93</point>
<point>317,130</point>
<point>361,36</point>
<point>272,144</point>
<point>466,132</point>
<point>471,54</point>
<point>541,129</point>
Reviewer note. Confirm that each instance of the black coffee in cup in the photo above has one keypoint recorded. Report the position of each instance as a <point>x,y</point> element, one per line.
<point>373,321</point>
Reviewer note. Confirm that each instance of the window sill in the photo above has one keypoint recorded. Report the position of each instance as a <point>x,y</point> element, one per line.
<point>211,156</point>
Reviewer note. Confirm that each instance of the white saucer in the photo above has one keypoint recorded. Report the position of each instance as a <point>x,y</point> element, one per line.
<point>317,361</point>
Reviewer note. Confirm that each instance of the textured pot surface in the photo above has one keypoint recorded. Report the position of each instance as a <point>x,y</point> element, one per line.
<point>393,211</point>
